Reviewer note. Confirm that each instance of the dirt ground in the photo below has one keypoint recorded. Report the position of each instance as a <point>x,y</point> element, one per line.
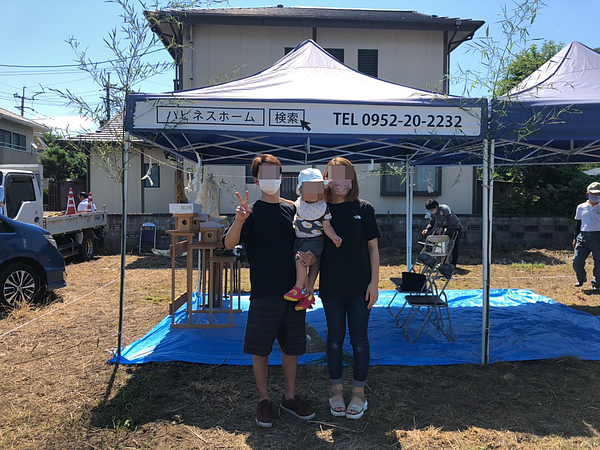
<point>58,392</point>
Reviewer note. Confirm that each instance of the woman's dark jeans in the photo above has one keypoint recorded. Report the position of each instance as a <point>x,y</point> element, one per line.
<point>336,310</point>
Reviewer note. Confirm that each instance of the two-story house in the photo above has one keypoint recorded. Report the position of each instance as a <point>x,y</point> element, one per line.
<point>404,47</point>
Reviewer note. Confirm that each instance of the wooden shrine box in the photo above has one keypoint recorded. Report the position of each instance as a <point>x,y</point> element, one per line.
<point>188,216</point>
<point>187,222</point>
<point>211,232</point>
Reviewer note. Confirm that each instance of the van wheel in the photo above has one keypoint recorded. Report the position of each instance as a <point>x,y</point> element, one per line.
<point>87,249</point>
<point>19,283</point>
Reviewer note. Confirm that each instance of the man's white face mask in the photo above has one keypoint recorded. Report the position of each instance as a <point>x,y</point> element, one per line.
<point>268,186</point>
<point>594,198</point>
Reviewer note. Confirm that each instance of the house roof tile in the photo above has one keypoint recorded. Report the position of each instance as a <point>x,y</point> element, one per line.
<point>109,132</point>
<point>7,115</point>
<point>359,18</point>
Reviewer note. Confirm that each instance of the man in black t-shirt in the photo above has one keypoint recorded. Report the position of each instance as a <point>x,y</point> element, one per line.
<point>265,229</point>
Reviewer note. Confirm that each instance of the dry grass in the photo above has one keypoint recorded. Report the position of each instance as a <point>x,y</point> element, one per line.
<point>58,392</point>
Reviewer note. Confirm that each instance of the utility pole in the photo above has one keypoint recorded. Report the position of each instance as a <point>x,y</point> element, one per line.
<point>107,99</point>
<point>23,98</point>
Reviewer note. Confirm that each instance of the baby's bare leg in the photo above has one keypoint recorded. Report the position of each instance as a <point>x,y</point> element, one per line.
<point>301,275</point>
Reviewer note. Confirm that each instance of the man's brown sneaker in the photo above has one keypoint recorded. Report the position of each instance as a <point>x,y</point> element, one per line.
<point>264,414</point>
<point>297,407</point>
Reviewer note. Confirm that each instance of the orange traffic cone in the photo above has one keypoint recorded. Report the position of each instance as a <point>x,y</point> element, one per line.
<point>90,202</point>
<point>71,203</point>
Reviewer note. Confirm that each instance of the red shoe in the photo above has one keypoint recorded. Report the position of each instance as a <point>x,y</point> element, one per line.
<point>295,294</point>
<point>305,303</point>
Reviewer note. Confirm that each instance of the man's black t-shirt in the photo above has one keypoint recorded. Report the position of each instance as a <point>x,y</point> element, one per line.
<point>346,271</point>
<point>268,239</point>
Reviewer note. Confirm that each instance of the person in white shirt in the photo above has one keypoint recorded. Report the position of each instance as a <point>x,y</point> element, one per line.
<point>587,236</point>
<point>83,203</point>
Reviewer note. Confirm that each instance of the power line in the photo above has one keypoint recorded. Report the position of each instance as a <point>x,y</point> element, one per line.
<point>46,72</point>
<point>53,66</point>
<point>8,85</point>
<point>50,94</point>
<point>71,81</point>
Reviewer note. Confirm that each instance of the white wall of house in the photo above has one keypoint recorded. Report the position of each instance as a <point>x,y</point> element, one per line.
<point>412,58</point>
<point>456,182</point>
<point>11,154</point>
<point>156,198</point>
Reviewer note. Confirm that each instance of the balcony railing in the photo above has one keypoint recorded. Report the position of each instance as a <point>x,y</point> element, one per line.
<point>16,147</point>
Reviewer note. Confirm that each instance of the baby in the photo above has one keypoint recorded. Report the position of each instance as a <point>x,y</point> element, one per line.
<point>312,219</point>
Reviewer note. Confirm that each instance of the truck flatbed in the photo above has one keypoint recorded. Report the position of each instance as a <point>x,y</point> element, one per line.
<point>58,223</point>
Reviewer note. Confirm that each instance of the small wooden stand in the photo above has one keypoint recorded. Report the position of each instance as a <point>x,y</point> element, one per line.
<point>213,275</point>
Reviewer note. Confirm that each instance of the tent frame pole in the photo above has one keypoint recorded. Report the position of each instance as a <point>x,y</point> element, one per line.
<point>409,213</point>
<point>125,193</point>
<point>486,245</point>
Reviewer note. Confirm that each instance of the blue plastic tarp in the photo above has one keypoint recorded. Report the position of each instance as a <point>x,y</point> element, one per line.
<point>524,326</point>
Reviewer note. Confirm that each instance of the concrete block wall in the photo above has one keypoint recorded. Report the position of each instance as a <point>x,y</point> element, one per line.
<point>526,231</point>
<point>112,239</point>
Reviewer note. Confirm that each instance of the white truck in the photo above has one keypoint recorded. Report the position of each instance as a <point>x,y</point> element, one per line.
<point>75,234</point>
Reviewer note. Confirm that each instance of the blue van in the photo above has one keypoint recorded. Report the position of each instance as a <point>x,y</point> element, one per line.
<point>30,263</point>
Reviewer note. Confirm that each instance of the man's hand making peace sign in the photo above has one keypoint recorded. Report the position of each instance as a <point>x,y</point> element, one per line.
<point>242,211</point>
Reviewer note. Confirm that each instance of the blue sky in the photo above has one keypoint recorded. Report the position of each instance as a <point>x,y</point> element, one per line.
<point>37,30</point>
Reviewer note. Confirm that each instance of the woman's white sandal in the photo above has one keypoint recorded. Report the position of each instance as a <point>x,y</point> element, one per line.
<point>354,407</point>
<point>334,405</point>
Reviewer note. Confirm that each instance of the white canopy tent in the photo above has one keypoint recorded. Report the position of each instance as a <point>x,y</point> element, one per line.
<point>551,117</point>
<point>306,109</point>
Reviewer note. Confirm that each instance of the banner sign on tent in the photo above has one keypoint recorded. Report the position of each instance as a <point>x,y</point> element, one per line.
<point>309,118</point>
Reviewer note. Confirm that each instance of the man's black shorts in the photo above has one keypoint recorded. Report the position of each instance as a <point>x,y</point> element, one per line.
<point>271,318</point>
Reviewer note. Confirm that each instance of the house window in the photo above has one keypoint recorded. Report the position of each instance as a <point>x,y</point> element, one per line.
<point>12,140</point>
<point>337,53</point>
<point>4,138</point>
<point>249,177</point>
<point>427,180</point>
<point>18,141</point>
<point>153,180</point>
<point>368,62</point>
<point>289,182</point>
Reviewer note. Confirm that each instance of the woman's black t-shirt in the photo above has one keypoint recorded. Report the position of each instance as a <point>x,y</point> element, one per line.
<point>268,239</point>
<point>346,270</point>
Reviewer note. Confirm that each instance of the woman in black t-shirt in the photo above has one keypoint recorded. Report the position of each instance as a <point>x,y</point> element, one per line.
<point>348,284</point>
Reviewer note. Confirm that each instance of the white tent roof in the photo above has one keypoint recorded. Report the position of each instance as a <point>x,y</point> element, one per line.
<point>572,75</point>
<point>553,115</point>
<point>306,108</point>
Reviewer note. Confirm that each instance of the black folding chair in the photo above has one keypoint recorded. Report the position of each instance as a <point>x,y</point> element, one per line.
<point>414,281</point>
<point>431,304</point>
